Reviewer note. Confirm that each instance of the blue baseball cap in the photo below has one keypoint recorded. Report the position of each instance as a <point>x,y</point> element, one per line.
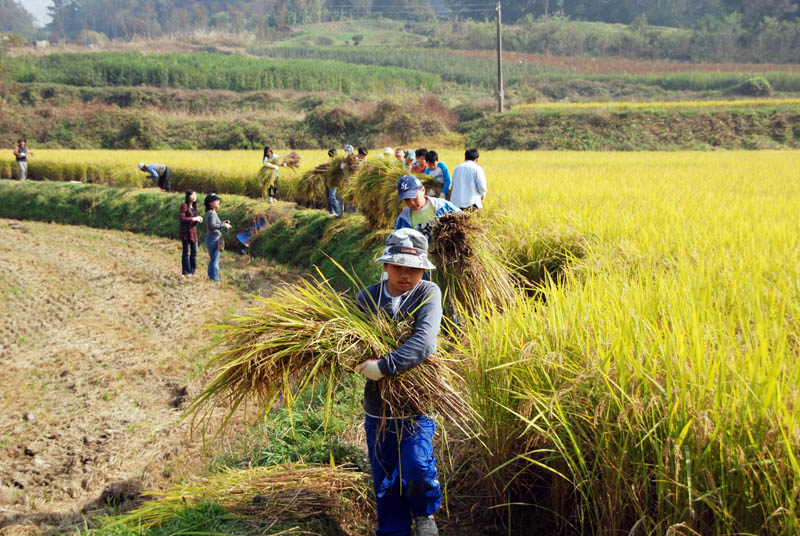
<point>410,155</point>
<point>408,186</point>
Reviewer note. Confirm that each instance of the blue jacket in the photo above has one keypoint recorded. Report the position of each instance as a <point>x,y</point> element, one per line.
<point>446,181</point>
<point>440,208</point>
<point>423,304</point>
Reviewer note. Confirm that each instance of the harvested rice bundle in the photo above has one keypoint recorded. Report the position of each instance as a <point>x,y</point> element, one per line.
<point>310,188</point>
<point>469,268</point>
<point>374,191</point>
<point>309,332</point>
<point>292,161</point>
<point>263,494</point>
<point>265,180</point>
<point>341,169</point>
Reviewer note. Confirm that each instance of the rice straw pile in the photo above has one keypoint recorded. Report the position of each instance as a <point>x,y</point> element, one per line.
<point>263,494</point>
<point>469,268</point>
<point>374,191</point>
<point>308,332</point>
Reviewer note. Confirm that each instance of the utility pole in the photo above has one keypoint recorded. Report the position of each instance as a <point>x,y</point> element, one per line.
<point>499,62</point>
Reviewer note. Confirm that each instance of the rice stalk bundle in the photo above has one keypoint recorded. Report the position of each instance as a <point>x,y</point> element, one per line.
<point>292,160</point>
<point>310,188</point>
<point>265,179</point>
<point>308,332</point>
<point>374,191</point>
<point>340,170</point>
<point>469,268</point>
<point>263,494</point>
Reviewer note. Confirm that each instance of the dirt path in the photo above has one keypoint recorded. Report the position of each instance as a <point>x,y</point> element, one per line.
<point>99,339</point>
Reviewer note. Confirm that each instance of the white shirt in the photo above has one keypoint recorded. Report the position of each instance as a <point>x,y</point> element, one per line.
<point>469,185</point>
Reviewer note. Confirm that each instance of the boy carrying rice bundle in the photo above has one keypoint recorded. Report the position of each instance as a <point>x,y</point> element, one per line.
<point>401,452</point>
<point>307,332</point>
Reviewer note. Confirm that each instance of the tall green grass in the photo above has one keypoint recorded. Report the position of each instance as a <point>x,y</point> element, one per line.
<point>214,71</point>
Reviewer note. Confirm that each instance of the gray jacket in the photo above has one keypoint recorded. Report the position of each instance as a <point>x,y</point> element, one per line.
<point>424,304</point>
<point>214,226</point>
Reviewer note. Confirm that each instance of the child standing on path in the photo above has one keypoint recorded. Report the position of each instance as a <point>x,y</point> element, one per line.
<point>214,228</point>
<point>401,452</point>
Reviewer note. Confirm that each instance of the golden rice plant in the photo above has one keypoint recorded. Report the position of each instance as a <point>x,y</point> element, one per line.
<point>291,160</point>
<point>308,332</point>
<point>264,494</point>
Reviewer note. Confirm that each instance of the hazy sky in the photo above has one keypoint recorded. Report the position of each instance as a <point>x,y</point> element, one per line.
<point>38,8</point>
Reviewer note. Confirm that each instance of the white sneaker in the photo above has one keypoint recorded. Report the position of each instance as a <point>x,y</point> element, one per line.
<point>425,526</point>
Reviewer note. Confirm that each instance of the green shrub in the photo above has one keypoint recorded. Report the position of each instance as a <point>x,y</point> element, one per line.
<point>758,86</point>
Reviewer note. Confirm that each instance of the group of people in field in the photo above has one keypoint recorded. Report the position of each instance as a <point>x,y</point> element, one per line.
<point>400,447</point>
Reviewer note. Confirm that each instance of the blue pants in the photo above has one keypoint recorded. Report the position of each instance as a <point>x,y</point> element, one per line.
<point>189,257</point>
<point>213,261</point>
<point>333,202</point>
<point>403,472</point>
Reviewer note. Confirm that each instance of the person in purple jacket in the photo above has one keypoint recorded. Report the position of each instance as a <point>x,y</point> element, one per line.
<point>401,455</point>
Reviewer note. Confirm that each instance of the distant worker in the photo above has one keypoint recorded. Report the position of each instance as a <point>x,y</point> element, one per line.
<point>21,154</point>
<point>438,170</point>
<point>388,152</point>
<point>419,165</point>
<point>421,212</point>
<point>158,172</point>
<point>410,158</point>
<point>400,154</point>
<point>269,184</point>
<point>362,153</point>
<point>330,193</point>
<point>469,183</point>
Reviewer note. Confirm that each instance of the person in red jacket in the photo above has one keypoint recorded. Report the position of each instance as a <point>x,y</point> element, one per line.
<point>187,231</point>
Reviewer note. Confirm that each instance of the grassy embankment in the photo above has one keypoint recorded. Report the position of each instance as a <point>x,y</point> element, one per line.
<point>294,237</point>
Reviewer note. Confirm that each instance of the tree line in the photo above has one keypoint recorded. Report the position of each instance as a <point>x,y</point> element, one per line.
<point>127,18</point>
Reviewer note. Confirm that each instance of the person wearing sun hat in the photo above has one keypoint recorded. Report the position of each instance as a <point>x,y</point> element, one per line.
<point>401,453</point>
<point>422,211</point>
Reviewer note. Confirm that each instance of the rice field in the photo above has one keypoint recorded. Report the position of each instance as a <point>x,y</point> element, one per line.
<point>653,387</point>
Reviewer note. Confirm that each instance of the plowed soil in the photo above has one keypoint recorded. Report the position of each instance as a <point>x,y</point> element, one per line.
<point>100,338</point>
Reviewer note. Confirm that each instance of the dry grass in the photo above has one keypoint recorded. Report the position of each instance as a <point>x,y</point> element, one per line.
<point>266,495</point>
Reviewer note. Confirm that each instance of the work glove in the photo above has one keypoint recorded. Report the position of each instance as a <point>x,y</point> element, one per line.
<point>370,369</point>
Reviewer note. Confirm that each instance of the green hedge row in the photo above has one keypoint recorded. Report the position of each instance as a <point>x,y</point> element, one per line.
<point>299,238</point>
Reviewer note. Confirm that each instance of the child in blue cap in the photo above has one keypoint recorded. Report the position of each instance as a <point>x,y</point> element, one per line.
<point>401,451</point>
<point>421,211</point>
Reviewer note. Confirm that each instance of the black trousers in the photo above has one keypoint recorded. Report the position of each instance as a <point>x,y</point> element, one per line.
<point>189,256</point>
<point>163,181</point>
